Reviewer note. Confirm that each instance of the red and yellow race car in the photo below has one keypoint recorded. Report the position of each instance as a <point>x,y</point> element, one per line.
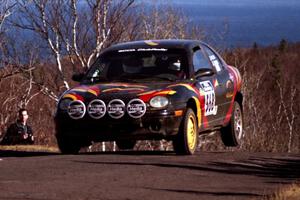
<point>152,90</point>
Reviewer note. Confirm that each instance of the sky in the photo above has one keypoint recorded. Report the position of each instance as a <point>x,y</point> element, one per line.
<point>239,2</point>
<point>249,21</point>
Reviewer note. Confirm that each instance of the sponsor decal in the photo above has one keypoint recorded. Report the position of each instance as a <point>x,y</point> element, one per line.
<point>230,89</point>
<point>116,108</point>
<point>215,62</point>
<point>76,109</point>
<point>142,49</point>
<point>151,43</point>
<point>152,49</point>
<point>96,109</point>
<point>126,50</point>
<point>136,108</point>
<point>207,89</point>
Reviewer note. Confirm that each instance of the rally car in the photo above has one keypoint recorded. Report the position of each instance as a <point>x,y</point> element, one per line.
<point>152,90</point>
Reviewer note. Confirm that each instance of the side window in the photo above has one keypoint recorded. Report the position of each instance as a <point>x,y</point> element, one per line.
<point>216,62</point>
<point>200,61</point>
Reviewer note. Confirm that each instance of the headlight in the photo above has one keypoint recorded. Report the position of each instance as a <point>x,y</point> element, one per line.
<point>159,102</point>
<point>64,104</point>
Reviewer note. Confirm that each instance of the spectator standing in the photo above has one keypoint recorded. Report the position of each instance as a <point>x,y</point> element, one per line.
<point>19,132</point>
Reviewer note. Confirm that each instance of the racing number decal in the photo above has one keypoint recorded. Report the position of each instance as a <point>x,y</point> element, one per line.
<point>210,103</point>
<point>209,97</point>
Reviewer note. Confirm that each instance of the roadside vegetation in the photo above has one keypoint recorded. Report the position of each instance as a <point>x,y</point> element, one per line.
<point>271,96</point>
<point>30,148</point>
<point>291,192</point>
<point>63,37</point>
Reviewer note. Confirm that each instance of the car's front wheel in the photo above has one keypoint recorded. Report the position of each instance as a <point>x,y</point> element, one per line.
<point>67,145</point>
<point>232,134</point>
<point>126,144</point>
<point>186,140</point>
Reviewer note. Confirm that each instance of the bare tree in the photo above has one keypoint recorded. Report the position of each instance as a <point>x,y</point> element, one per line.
<point>43,18</point>
<point>6,9</point>
<point>287,94</point>
<point>57,24</point>
<point>163,22</point>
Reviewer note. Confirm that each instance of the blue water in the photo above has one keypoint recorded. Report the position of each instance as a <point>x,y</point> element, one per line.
<point>263,21</point>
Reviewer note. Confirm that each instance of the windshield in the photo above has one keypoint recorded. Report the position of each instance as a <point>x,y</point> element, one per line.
<point>139,64</point>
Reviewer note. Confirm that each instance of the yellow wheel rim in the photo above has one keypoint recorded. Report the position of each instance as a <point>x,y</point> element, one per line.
<point>191,133</point>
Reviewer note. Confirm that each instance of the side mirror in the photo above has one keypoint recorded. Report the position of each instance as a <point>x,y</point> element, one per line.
<point>77,77</point>
<point>204,72</point>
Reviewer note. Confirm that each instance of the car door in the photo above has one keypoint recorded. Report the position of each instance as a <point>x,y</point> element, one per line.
<point>221,79</point>
<point>205,76</point>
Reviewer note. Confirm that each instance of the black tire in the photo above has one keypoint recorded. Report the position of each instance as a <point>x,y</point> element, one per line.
<point>232,134</point>
<point>67,145</point>
<point>126,144</point>
<point>186,140</point>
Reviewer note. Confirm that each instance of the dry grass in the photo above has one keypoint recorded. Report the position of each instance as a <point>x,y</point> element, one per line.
<point>291,192</point>
<point>30,148</point>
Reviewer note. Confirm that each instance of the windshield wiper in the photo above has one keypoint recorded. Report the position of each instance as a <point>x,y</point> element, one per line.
<point>96,79</point>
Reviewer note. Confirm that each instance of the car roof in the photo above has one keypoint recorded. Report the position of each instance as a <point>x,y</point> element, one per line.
<point>174,43</point>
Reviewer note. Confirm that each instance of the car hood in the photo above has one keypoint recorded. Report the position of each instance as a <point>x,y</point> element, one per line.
<point>120,90</point>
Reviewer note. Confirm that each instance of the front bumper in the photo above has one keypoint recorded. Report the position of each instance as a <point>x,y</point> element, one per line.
<point>161,124</point>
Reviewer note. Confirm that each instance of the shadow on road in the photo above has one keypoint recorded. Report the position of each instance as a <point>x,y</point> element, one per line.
<point>286,169</point>
<point>139,152</point>
<point>196,192</point>
<point>11,153</point>
<point>281,170</point>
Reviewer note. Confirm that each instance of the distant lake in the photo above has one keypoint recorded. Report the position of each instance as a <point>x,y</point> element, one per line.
<point>263,21</point>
